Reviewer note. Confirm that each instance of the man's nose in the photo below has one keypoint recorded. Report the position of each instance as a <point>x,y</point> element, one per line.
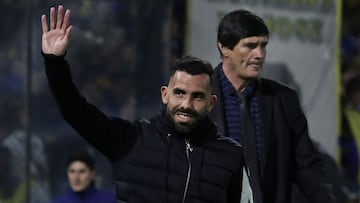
<point>260,52</point>
<point>187,103</point>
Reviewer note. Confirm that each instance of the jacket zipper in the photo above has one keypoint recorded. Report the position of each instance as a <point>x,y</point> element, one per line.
<point>167,165</point>
<point>188,150</point>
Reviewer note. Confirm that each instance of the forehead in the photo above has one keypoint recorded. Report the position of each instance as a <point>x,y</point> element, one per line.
<point>254,39</point>
<point>78,165</point>
<point>189,82</point>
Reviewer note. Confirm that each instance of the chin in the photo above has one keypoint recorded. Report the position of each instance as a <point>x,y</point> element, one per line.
<point>254,75</point>
<point>78,189</point>
<point>182,128</point>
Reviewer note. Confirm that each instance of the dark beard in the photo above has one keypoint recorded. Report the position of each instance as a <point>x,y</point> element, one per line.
<point>184,128</point>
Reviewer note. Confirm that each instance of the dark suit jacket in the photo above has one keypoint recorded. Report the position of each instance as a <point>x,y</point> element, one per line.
<point>288,152</point>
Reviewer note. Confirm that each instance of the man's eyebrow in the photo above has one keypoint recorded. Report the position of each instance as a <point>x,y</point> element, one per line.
<point>177,89</point>
<point>199,93</point>
<point>256,43</point>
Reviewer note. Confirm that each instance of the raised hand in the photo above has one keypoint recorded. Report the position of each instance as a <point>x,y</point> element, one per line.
<point>56,39</point>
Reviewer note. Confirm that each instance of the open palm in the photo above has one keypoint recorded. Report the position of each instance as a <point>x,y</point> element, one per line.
<point>56,39</point>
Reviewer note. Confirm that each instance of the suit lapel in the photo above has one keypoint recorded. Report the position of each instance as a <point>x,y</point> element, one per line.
<point>217,113</point>
<point>265,95</point>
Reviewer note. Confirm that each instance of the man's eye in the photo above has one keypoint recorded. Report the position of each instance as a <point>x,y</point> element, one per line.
<point>179,92</point>
<point>199,96</point>
<point>251,45</point>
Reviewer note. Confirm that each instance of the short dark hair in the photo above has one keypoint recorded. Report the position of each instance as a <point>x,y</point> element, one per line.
<point>193,66</point>
<point>82,156</point>
<point>240,24</point>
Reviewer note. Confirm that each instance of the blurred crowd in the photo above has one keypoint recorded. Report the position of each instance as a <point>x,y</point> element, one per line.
<point>104,55</point>
<point>349,139</point>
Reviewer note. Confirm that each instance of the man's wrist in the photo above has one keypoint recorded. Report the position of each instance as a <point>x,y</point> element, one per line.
<point>53,56</point>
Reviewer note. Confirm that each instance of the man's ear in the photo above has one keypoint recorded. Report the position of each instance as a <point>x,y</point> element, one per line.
<point>212,103</point>
<point>164,94</point>
<point>224,50</point>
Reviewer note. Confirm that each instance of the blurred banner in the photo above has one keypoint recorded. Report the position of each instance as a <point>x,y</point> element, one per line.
<point>302,51</point>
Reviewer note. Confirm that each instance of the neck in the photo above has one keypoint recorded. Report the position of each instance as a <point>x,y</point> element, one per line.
<point>237,81</point>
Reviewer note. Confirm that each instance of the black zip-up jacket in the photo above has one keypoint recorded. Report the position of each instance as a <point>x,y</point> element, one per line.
<point>152,163</point>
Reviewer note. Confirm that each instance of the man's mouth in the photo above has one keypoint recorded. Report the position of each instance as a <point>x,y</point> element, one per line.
<point>184,115</point>
<point>255,65</point>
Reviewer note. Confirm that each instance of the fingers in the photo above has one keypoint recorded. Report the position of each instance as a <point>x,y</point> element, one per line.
<point>66,22</point>
<point>68,32</point>
<point>44,24</point>
<point>52,18</point>
<point>59,16</point>
<point>60,21</point>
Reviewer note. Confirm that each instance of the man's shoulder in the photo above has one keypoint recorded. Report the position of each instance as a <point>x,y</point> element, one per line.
<point>274,87</point>
<point>274,84</point>
<point>229,150</point>
<point>105,196</point>
<point>227,143</point>
<point>62,199</point>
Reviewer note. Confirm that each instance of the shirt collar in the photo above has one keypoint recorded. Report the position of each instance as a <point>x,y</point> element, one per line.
<point>229,89</point>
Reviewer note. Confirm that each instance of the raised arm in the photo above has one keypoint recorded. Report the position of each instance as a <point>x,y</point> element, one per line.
<point>111,136</point>
<point>56,36</point>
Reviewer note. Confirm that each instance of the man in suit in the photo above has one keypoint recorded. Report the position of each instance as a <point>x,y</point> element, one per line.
<point>264,116</point>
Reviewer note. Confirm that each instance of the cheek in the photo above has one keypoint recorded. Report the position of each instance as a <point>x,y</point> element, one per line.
<point>173,101</point>
<point>201,107</point>
<point>245,58</point>
<point>71,178</point>
<point>87,179</point>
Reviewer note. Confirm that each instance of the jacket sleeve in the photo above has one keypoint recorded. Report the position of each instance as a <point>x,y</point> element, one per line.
<point>309,167</point>
<point>100,130</point>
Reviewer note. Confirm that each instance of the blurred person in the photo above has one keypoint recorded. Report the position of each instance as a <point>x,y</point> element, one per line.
<point>15,142</point>
<point>350,138</point>
<point>81,175</point>
<point>264,116</point>
<point>176,155</point>
<point>352,107</point>
<point>11,190</point>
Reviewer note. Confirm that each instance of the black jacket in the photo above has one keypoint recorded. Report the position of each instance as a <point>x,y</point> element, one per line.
<point>289,155</point>
<point>151,161</point>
